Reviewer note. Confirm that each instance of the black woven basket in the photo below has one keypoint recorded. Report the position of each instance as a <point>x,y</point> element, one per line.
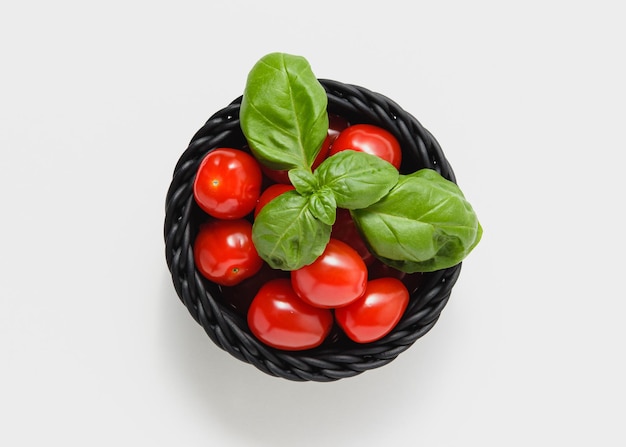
<point>339,358</point>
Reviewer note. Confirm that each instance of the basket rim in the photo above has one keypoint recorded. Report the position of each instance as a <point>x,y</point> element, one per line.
<point>228,329</point>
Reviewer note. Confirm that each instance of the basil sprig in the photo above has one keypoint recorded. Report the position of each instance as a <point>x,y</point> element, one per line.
<point>292,230</point>
<point>416,222</point>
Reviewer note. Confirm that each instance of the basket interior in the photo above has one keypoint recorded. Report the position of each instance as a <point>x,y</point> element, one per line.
<point>338,357</point>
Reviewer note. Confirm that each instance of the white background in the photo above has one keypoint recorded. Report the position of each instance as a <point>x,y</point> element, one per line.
<point>98,101</point>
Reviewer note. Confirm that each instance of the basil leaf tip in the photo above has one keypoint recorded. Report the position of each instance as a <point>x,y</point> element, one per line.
<point>283,112</point>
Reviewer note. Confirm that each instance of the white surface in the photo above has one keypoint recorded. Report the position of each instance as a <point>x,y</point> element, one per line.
<point>98,101</point>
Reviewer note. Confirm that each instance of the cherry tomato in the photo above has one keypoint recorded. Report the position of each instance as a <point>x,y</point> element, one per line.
<point>335,125</point>
<point>376,313</point>
<point>224,252</point>
<point>280,319</point>
<point>271,192</point>
<point>369,139</point>
<point>334,279</point>
<point>228,183</point>
<point>344,229</point>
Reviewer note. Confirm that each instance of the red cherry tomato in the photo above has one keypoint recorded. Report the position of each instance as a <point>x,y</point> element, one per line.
<point>270,193</point>
<point>370,139</point>
<point>335,125</point>
<point>280,319</point>
<point>224,252</point>
<point>334,279</point>
<point>344,229</point>
<point>228,183</point>
<point>376,313</point>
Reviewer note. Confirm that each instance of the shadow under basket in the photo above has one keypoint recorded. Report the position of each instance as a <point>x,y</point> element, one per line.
<point>338,358</point>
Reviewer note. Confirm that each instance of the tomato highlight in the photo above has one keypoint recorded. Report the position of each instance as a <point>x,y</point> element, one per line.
<point>370,139</point>
<point>228,183</point>
<point>334,279</point>
<point>279,318</point>
<point>224,252</point>
<point>376,313</point>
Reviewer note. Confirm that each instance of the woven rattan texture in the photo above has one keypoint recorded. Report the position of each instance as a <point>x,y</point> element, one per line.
<point>227,328</point>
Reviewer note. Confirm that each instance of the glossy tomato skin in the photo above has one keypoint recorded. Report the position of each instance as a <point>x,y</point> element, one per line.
<point>224,252</point>
<point>279,318</point>
<point>270,193</point>
<point>376,313</point>
<point>228,183</point>
<point>370,139</point>
<point>336,278</point>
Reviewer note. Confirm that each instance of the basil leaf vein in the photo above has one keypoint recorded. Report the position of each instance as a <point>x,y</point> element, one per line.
<point>423,224</point>
<point>286,233</point>
<point>283,112</point>
<point>356,179</point>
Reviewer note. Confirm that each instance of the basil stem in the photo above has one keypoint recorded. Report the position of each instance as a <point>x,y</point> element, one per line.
<point>416,222</point>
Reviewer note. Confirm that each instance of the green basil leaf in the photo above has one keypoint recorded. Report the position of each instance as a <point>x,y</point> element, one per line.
<point>356,179</point>
<point>323,206</point>
<point>303,180</point>
<point>423,224</point>
<point>283,112</point>
<point>287,235</point>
